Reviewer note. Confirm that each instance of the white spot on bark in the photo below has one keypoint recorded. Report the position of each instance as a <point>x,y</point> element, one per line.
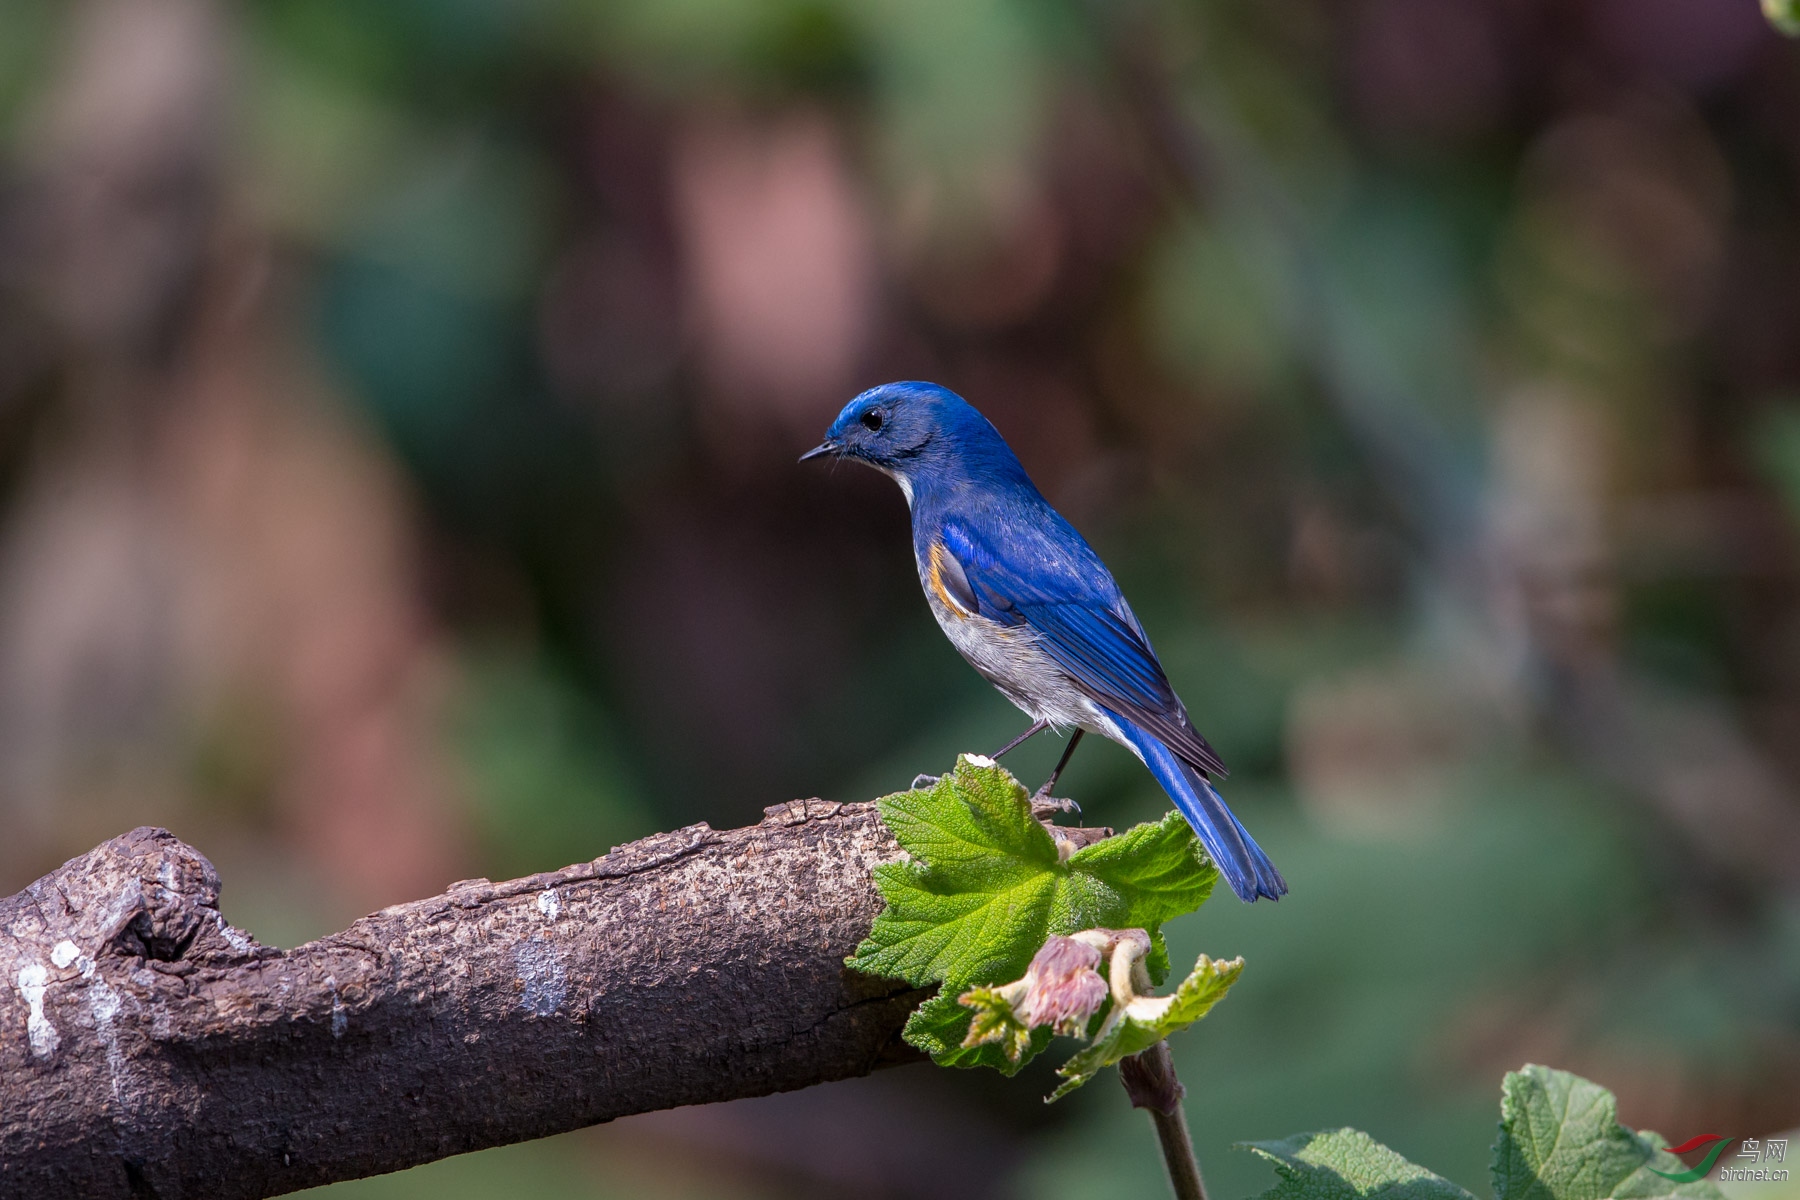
<point>340,1017</point>
<point>549,903</point>
<point>33,978</point>
<point>65,953</point>
<point>541,974</point>
<point>103,1002</point>
<point>237,941</point>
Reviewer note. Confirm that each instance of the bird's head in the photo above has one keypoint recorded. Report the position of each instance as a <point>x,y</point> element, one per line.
<point>918,433</point>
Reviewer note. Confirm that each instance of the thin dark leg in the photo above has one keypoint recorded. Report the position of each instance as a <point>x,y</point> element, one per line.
<point>1068,753</point>
<point>1037,727</point>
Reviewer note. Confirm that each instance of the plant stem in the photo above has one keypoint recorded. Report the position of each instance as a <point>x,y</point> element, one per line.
<point>1150,1082</point>
<point>1178,1154</point>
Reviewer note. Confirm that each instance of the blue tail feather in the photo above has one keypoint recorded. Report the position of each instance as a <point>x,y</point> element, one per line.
<point>1245,867</point>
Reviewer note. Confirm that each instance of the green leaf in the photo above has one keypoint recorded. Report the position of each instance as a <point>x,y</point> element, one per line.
<point>1159,869</point>
<point>1783,15</point>
<point>1149,1020</point>
<point>940,1026</point>
<point>993,1018</point>
<point>1560,1139</point>
<point>985,885</point>
<point>1347,1164</point>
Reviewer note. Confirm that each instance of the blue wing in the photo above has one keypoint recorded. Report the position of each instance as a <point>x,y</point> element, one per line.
<point>1065,594</point>
<point>1245,867</point>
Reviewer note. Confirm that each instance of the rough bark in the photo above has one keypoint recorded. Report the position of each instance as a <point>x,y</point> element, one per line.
<point>147,1048</point>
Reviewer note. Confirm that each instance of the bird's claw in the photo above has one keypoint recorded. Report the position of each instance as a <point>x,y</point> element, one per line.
<point>1043,804</point>
<point>924,781</point>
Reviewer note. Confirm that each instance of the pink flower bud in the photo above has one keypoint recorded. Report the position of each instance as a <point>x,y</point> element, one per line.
<point>1062,988</point>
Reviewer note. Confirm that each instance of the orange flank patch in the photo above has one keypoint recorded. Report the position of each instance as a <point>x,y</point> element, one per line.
<point>937,581</point>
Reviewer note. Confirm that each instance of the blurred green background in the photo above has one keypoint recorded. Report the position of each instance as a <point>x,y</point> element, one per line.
<point>398,413</point>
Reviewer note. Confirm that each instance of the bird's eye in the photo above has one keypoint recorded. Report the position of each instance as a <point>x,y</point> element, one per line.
<point>871,420</point>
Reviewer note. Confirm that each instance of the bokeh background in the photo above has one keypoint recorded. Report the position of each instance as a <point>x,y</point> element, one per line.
<point>398,413</point>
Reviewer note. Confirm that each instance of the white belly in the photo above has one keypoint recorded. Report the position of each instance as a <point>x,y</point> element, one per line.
<point>1010,658</point>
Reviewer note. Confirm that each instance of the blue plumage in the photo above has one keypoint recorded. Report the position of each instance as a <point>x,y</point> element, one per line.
<point>1031,606</point>
<point>1245,867</point>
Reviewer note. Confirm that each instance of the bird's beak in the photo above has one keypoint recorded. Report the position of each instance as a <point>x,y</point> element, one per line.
<point>825,447</point>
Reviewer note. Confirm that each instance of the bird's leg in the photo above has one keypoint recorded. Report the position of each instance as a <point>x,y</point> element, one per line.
<point>1043,793</point>
<point>1037,727</point>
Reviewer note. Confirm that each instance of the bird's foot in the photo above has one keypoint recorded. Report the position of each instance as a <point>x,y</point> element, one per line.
<point>1043,804</point>
<point>924,781</point>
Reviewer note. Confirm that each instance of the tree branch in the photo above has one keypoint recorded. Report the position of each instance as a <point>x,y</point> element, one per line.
<point>147,1048</point>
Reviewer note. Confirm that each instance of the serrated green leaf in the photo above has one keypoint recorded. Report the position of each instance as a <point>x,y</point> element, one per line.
<point>992,1018</point>
<point>1560,1139</point>
<point>934,931</point>
<point>986,885</point>
<point>974,822</point>
<point>941,1024</point>
<point>1347,1164</point>
<point>1131,1032</point>
<point>1153,866</point>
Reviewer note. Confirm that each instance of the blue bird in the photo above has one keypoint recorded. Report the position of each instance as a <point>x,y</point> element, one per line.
<point>1026,600</point>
